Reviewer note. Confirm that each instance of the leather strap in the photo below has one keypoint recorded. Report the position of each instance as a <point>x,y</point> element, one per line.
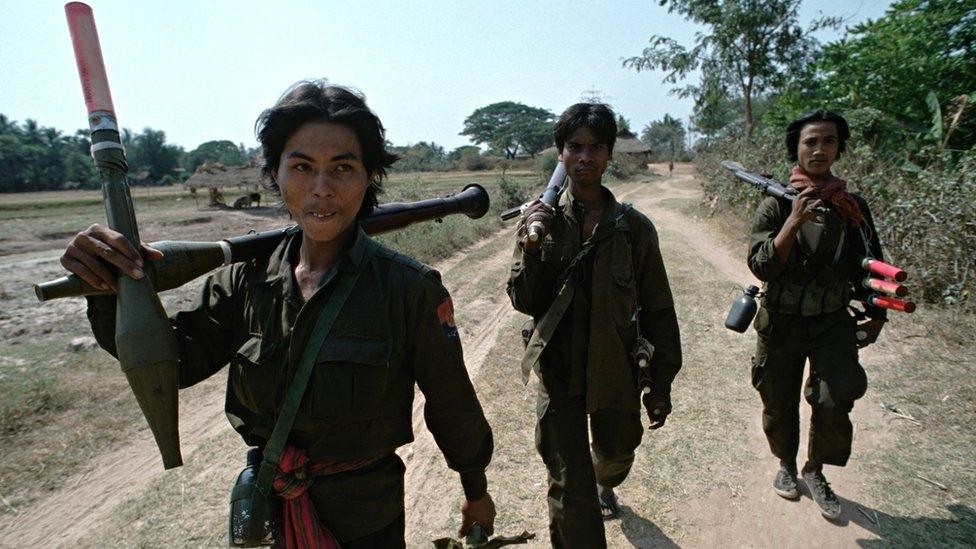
<point>276,443</point>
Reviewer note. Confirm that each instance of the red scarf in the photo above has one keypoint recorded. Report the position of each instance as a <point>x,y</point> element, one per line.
<point>295,474</point>
<point>833,191</point>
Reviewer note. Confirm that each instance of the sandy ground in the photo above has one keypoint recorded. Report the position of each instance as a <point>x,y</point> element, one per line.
<point>736,508</point>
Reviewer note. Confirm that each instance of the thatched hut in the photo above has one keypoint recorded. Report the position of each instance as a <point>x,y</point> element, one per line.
<point>628,145</point>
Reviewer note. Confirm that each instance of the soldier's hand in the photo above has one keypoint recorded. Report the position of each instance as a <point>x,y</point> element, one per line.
<point>481,511</point>
<point>658,408</point>
<point>803,206</point>
<point>97,254</point>
<point>537,217</point>
<point>867,332</point>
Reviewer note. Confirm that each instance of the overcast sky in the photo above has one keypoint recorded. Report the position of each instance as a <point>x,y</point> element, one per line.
<point>204,70</point>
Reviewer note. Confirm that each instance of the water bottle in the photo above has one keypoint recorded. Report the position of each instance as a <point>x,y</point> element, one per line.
<point>743,310</point>
<point>252,520</point>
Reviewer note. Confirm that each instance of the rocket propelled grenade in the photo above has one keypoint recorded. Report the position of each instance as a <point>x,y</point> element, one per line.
<point>147,349</point>
<point>881,268</point>
<point>892,303</point>
<point>183,261</point>
<point>884,286</point>
<point>557,182</point>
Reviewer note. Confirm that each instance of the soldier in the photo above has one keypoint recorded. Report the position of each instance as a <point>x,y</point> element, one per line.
<point>809,266</point>
<point>593,286</point>
<point>324,152</point>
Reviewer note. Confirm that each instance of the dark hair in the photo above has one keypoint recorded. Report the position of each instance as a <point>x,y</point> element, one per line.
<point>595,116</point>
<point>319,101</point>
<point>817,115</point>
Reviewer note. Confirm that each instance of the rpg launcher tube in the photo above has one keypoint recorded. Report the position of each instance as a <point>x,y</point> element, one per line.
<point>884,286</point>
<point>881,268</point>
<point>891,303</point>
<point>183,260</point>
<point>537,229</point>
<point>147,348</point>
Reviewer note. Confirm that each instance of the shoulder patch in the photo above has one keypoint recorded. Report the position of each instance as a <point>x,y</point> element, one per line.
<point>445,315</point>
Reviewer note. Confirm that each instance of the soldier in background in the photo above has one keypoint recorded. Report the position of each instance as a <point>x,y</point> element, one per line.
<point>809,267</point>
<point>593,286</point>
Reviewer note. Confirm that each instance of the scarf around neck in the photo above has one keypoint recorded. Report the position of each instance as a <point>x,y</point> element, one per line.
<point>833,191</point>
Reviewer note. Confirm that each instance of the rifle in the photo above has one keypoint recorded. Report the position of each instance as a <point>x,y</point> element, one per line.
<point>765,184</point>
<point>184,261</point>
<point>557,182</point>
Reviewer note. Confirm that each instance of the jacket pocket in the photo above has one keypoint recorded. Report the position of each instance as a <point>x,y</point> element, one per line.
<point>623,297</point>
<point>254,374</point>
<point>349,380</point>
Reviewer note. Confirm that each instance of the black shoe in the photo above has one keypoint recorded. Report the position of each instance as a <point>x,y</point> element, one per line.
<point>785,482</point>
<point>822,494</point>
<point>609,507</point>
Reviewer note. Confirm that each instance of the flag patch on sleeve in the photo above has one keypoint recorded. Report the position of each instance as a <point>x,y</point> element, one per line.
<point>445,315</point>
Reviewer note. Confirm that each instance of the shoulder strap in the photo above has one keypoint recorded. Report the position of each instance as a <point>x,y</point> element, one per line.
<point>276,443</point>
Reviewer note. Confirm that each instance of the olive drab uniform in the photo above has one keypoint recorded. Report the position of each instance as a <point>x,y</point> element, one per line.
<point>396,329</point>
<point>585,310</point>
<point>804,315</point>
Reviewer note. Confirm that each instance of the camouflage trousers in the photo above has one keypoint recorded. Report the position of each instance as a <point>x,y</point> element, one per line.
<point>563,441</point>
<point>836,380</point>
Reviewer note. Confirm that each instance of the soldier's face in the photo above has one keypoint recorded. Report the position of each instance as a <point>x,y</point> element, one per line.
<point>585,157</point>
<point>817,150</point>
<point>322,179</point>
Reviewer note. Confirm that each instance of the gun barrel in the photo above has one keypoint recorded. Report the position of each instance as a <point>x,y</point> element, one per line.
<point>892,303</point>
<point>881,268</point>
<point>183,260</point>
<point>884,286</point>
<point>764,184</point>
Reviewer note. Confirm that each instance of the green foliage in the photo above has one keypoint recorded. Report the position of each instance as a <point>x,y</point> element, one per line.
<point>893,63</point>
<point>468,158</point>
<point>666,138</point>
<point>421,157</point>
<point>749,46</point>
<point>35,158</point>
<point>508,127</point>
<point>511,191</point>
<point>149,152</point>
<point>223,151</point>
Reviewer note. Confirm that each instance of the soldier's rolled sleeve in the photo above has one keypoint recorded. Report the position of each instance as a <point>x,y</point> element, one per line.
<point>658,319</point>
<point>452,411</point>
<point>763,260</point>
<point>206,333</point>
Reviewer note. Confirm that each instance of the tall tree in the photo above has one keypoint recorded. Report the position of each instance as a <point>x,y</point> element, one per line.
<point>752,45</point>
<point>508,126</point>
<point>223,151</point>
<point>892,64</point>
<point>666,137</point>
<point>149,151</point>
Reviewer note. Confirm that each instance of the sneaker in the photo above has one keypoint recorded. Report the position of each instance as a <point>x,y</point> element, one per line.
<point>822,494</point>
<point>785,482</point>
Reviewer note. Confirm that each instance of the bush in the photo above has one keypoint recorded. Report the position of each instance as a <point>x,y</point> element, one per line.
<point>512,192</point>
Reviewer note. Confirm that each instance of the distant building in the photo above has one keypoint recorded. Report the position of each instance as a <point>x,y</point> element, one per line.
<point>628,145</point>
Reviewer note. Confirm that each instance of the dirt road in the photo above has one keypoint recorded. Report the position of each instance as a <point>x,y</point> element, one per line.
<point>702,481</point>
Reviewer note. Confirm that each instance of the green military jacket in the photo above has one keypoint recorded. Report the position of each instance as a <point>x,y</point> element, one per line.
<point>395,330</point>
<point>627,273</point>
<point>811,281</point>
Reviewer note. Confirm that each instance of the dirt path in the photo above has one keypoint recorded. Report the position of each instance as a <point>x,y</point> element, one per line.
<point>702,482</point>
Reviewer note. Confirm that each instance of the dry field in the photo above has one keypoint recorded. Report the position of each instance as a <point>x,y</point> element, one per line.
<point>70,426</point>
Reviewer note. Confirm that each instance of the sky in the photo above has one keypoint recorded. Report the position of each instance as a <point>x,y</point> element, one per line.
<point>203,70</point>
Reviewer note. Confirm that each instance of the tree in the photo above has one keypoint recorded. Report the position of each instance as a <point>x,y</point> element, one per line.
<point>751,45</point>
<point>623,125</point>
<point>421,157</point>
<point>666,135</point>
<point>223,151</point>
<point>892,64</point>
<point>150,152</point>
<point>508,126</point>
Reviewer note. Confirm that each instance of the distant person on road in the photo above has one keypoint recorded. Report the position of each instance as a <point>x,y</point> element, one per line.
<point>809,264</point>
<point>671,168</point>
<point>324,152</point>
<point>594,285</point>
